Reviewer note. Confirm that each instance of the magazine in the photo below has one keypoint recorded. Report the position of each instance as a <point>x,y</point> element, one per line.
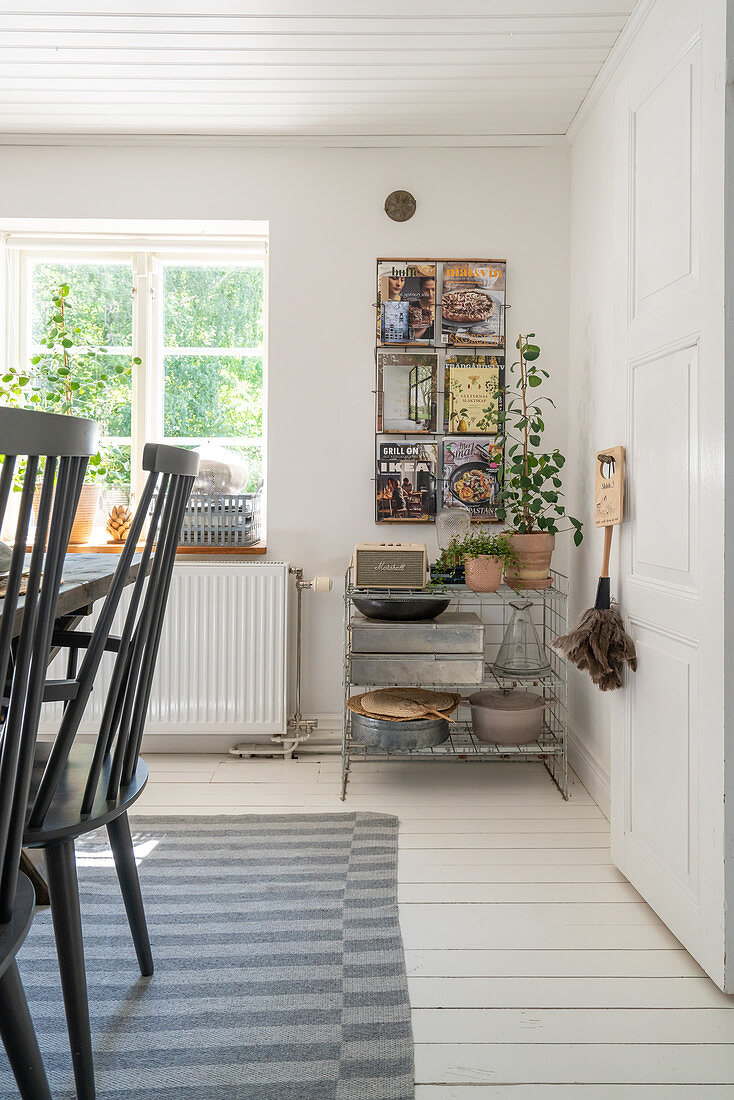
<point>472,468</point>
<point>473,386</point>
<point>406,391</point>
<point>406,301</point>
<point>473,303</point>
<point>405,485</point>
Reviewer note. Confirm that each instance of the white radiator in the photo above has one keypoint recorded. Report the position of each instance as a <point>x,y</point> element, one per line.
<point>222,664</point>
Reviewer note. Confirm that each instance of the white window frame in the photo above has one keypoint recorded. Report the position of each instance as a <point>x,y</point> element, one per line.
<point>147,257</point>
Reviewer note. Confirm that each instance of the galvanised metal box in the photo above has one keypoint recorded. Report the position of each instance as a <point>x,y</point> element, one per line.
<point>417,669</point>
<point>452,632</point>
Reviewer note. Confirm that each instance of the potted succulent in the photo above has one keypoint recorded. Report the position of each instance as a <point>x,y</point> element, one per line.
<point>70,376</point>
<point>530,499</point>
<point>485,554</point>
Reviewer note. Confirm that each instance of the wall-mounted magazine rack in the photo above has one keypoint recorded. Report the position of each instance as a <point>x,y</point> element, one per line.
<point>440,374</point>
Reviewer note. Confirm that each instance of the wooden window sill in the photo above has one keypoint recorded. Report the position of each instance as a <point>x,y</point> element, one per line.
<point>258,550</point>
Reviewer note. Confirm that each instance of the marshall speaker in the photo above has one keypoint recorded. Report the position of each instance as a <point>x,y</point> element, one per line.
<point>390,565</point>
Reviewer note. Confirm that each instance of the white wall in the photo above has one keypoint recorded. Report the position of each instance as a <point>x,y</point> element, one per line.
<point>327,226</point>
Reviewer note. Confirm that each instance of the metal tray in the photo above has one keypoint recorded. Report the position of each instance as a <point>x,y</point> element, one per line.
<point>454,632</point>
<point>417,669</point>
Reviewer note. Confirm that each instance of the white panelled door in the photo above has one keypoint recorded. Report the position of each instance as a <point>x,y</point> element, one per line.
<point>668,732</point>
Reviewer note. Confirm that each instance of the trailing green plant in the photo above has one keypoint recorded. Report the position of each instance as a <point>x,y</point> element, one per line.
<point>71,376</point>
<point>449,559</point>
<point>481,542</point>
<point>531,497</point>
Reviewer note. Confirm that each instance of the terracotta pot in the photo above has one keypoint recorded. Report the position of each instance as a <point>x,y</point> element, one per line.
<point>81,529</point>
<point>535,552</point>
<point>483,574</point>
<point>86,512</point>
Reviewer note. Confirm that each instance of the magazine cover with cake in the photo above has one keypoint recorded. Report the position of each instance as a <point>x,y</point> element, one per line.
<point>473,302</point>
<point>472,468</point>
<point>472,392</point>
<point>406,301</point>
<point>405,485</point>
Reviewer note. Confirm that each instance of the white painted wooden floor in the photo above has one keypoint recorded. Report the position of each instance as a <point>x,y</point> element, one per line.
<point>536,971</point>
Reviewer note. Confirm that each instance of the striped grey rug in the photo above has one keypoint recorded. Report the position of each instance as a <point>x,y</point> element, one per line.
<point>279,964</point>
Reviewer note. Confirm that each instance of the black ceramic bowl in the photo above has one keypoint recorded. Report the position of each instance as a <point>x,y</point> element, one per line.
<point>401,611</point>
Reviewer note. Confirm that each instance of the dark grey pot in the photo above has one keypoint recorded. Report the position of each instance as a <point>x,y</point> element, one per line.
<point>379,733</point>
<point>401,611</point>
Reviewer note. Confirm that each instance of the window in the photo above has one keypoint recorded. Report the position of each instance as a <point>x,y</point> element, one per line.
<point>213,358</point>
<point>171,341</point>
<point>99,304</point>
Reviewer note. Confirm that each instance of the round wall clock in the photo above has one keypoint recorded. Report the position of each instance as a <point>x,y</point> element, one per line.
<point>400,206</point>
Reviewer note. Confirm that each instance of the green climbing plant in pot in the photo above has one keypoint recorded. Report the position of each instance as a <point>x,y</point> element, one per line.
<point>71,376</point>
<point>530,500</point>
<point>486,554</point>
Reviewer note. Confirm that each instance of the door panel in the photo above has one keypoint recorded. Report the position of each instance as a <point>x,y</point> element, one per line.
<point>668,725</point>
<point>664,160</point>
<point>660,802</point>
<point>663,451</point>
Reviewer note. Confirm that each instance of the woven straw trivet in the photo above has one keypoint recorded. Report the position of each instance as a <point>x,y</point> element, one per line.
<point>355,705</point>
<point>391,707</point>
<point>437,700</point>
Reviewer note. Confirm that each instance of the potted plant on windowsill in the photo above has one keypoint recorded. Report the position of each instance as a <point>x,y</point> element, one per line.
<point>485,554</point>
<point>70,376</point>
<point>530,500</point>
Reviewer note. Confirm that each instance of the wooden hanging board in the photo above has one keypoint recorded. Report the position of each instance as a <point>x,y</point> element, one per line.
<point>608,486</point>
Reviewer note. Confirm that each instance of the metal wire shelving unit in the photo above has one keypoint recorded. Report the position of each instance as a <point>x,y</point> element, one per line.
<point>549,614</point>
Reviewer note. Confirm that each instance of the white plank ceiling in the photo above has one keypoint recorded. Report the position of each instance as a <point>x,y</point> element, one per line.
<point>467,71</point>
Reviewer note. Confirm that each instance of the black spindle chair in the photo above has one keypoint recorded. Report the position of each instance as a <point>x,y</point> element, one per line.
<point>64,444</point>
<point>79,787</point>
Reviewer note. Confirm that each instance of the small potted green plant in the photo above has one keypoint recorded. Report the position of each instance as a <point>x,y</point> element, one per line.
<point>71,376</point>
<point>449,565</point>
<point>485,554</point>
<point>530,499</point>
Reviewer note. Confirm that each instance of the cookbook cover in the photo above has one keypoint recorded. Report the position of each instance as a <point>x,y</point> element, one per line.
<point>472,392</point>
<point>406,392</point>
<point>405,484</point>
<point>406,301</point>
<point>472,468</point>
<point>473,303</point>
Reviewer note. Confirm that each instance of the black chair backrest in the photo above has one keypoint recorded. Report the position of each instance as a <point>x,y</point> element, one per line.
<point>171,475</point>
<point>64,445</point>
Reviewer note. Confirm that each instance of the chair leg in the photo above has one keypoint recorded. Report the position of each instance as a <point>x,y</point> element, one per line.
<point>121,843</point>
<point>64,891</point>
<point>19,1038</point>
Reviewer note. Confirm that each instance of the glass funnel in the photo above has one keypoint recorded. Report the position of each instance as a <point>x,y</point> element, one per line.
<point>521,655</point>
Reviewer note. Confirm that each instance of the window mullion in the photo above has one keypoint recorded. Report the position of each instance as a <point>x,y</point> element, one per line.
<point>147,389</point>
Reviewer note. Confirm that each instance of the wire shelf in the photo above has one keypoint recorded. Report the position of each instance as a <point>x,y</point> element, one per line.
<point>549,613</point>
<point>558,591</point>
<point>463,744</point>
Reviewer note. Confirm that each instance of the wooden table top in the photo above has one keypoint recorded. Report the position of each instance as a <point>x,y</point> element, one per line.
<point>86,579</point>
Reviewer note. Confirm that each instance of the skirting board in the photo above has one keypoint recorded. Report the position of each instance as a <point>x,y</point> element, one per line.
<point>590,770</point>
<point>325,738</point>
